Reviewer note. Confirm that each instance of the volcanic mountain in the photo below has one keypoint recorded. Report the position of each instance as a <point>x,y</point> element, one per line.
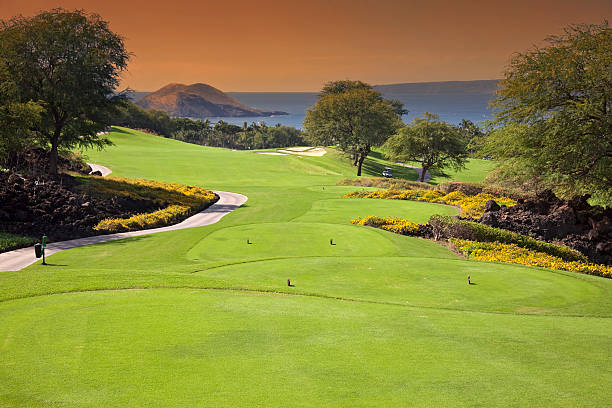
<point>198,101</point>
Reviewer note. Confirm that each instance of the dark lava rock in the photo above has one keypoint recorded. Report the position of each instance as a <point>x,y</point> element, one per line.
<point>490,219</point>
<point>20,215</point>
<point>491,205</point>
<point>36,161</point>
<point>574,223</point>
<point>50,207</point>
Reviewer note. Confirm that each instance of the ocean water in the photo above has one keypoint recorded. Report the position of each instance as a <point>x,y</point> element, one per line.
<point>451,107</point>
<point>294,103</point>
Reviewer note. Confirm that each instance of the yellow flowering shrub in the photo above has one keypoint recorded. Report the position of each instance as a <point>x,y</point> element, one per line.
<point>156,191</point>
<point>511,253</point>
<point>431,196</point>
<point>450,227</point>
<point>383,182</point>
<point>153,219</point>
<point>471,206</point>
<point>178,201</point>
<point>393,224</point>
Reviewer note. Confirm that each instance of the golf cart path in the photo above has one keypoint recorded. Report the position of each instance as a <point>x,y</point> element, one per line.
<point>419,171</point>
<point>96,167</point>
<point>228,202</point>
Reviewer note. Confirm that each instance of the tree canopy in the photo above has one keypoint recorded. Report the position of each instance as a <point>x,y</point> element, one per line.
<point>16,119</point>
<point>68,62</point>
<point>434,144</point>
<point>474,136</point>
<point>554,115</point>
<point>353,116</point>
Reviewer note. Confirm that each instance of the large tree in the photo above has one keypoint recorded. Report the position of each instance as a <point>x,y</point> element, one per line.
<point>474,136</point>
<point>353,116</point>
<point>69,62</point>
<point>16,118</point>
<point>554,114</point>
<point>434,144</point>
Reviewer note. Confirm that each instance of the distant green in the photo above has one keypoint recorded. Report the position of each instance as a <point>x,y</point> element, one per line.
<point>475,172</point>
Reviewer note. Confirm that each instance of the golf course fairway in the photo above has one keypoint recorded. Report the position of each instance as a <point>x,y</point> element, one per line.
<point>203,317</point>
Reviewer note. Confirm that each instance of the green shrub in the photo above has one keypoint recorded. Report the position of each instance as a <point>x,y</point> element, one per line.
<point>450,227</point>
<point>382,182</point>
<point>471,206</point>
<point>8,242</point>
<point>393,224</point>
<point>472,189</point>
<point>466,188</point>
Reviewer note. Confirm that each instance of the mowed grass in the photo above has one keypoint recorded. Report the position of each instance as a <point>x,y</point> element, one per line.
<point>200,317</point>
<point>342,210</point>
<point>185,347</point>
<point>475,172</point>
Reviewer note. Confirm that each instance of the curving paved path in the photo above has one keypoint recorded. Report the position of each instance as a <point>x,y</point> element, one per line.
<point>418,170</point>
<point>96,167</point>
<point>228,202</point>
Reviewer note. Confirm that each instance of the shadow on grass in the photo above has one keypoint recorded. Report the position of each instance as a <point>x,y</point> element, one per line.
<point>115,239</point>
<point>375,168</point>
<point>117,130</point>
<point>438,177</point>
<point>126,240</point>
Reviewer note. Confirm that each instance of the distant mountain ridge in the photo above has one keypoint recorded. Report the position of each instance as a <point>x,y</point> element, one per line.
<point>481,87</point>
<point>198,101</point>
<point>453,101</point>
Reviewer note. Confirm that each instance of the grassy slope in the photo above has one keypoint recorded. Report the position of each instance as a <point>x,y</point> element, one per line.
<point>476,170</point>
<point>414,333</point>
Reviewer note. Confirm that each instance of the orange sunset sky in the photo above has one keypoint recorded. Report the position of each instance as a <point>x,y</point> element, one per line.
<point>266,45</point>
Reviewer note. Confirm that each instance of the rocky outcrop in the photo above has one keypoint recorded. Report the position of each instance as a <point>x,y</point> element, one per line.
<point>36,161</point>
<point>35,207</point>
<point>574,223</point>
<point>198,101</point>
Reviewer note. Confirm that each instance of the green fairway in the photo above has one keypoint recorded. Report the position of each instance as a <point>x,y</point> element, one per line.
<point>476,170</point>
<point>291,239</point>
<point>204,316</point>
<point>344,210</point>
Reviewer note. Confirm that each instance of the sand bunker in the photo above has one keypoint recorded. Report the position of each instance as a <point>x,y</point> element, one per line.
<point>319,151</point>
<point>299,149</point>
<point>273,153</point>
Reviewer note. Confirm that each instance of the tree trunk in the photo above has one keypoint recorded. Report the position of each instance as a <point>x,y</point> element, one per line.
<point>423,172</point>
<point>355,158</point>
<point>359,163</point>
<point>53,155</point>
<point>55,137</point>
